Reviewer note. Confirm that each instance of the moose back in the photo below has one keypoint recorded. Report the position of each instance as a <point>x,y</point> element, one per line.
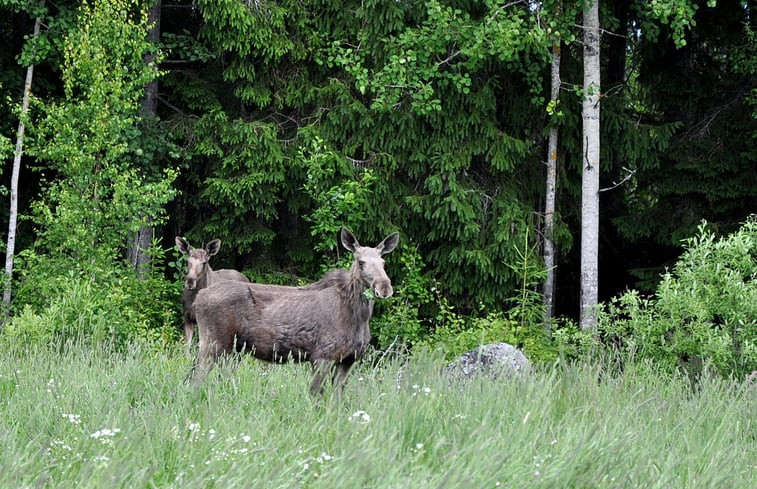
<point>325,323</point>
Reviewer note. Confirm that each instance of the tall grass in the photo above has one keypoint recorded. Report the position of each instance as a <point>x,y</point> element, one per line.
<point>88,418</point>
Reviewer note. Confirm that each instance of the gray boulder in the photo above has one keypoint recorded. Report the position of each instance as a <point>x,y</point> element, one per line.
<point>490,360</point>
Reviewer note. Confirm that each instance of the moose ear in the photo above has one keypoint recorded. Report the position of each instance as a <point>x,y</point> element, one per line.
<point>389,243</point>
<point>349,240</point>
<point>213,247</point>
<point>183,245</point>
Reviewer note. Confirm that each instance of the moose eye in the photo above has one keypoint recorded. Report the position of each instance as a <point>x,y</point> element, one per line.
<point>361,264</point>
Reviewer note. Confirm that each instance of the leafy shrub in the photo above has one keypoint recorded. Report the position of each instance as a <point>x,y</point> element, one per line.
<point>400,318</point>
<point>95,303</point>
<point>457,334</point>
<point>704,312</point>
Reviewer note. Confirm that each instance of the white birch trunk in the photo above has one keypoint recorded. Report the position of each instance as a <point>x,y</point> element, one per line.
<point>13,215</point>
<point>590,166</point>
<point>550,251</point>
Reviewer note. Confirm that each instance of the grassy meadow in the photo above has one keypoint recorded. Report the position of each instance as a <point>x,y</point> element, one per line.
<point>87,418</point>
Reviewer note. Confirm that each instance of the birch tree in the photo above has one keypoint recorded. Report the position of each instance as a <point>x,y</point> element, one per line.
<point>13,215</point>
<point>549,205</point>
<point>590,168</point>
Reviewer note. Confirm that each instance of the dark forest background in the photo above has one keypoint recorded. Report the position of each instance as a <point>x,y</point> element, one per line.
<point>272,124</point>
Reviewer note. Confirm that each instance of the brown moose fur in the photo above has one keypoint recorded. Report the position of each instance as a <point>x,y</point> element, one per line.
<point>199,276</point>
<point>325,322</point>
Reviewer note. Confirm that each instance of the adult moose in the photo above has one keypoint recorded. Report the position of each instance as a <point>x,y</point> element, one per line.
<point>325,322</point>
<point>200,275</point>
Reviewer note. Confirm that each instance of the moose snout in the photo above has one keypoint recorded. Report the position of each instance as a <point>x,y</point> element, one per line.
<point>190,283</point>
<point>383,290</point>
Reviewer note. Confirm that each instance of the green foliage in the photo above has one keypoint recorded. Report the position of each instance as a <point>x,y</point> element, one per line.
<point>457,334</point>
<point>94,304</point>
<point>521,326</point>
<point>341,196</point>
<point>445,50</point>
<point>244,173</point>
<point>6,147</point>
<point>528,308</point>
<point>320,115</point>
<point>679,14</point>
<point>744,62</point>
<point>294,118</point>
<point>698,89</point>
<point>96,196</point>
<point>418,302</point>
<point>704,311</point>
<point>99,191</point>
<point>185,47</point>
<point>401,318</point>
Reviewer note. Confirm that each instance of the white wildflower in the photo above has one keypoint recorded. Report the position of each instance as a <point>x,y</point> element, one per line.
<point>105,435</point>
<point>360,417</point>
<point>73,418</point>
<point>62,445</point>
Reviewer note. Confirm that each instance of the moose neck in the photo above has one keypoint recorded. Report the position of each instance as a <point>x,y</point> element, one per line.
<point>208,278</point>
<point>362,307</point>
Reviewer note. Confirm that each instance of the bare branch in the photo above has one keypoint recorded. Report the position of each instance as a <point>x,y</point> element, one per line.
<point>629,175</point>
<point>174,108</point>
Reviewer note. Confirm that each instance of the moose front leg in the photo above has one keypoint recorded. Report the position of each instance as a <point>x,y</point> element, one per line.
<point>321,369</point>
<point>340,373</point>
<point>189,329</point>
<point>207,355</point>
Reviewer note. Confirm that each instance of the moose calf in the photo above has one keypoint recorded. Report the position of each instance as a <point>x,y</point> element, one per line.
<point>199,276</point>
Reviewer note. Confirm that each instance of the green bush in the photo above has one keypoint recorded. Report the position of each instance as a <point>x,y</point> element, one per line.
<point>95,303</point>
<point>456,334</point>
<point>400,319</point>
<point>704,311</point>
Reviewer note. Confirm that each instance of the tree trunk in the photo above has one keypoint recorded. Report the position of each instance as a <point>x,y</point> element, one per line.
<point>590,169</point>
<point>550,251</point>
<point>13,215</point>
<point>137,251</point>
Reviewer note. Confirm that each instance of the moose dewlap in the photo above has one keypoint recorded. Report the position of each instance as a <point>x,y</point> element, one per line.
<point>325,323</point>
